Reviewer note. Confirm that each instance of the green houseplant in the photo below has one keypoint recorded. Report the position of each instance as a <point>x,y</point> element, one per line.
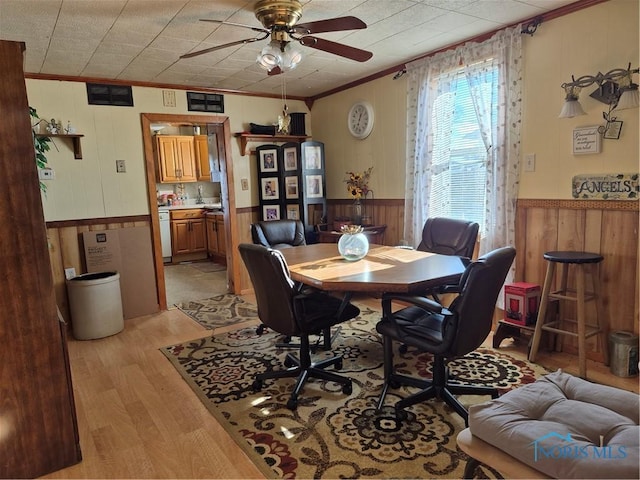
<point>40,144</point>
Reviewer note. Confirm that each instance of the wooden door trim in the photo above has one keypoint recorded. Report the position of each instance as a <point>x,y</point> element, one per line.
<point>227,195</point>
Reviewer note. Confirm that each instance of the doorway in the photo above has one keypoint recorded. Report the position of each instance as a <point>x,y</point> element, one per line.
<point>221,125</point>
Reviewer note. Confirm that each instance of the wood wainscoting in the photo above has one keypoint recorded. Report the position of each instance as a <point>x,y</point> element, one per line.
<point>607,227</point>
<point>66,249</point>
<point>389,212</point>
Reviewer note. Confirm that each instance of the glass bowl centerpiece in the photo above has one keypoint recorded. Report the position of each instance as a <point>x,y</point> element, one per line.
<point>353,244</point>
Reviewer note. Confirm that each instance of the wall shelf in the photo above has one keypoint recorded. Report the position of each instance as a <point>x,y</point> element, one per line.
<point>250,137</point>
<point>75,139</point>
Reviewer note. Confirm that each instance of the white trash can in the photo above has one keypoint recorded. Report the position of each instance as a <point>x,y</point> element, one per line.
<point>95,304</point>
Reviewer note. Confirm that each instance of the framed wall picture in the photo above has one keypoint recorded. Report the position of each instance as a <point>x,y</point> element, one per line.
<point>268,160</point>
<point>291,187</point>
<point>314,186</point>
<point>586,140</point>
<point>613,130</point>
<point>293,212</point>
<point>312,157</point>
<point>290,159</point>
<point>271,212</point>
<point>270,190</point>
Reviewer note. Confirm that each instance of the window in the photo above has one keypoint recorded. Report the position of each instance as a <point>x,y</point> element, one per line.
<point>458,187</point>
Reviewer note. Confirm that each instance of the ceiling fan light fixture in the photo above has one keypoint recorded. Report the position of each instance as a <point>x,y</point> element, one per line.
<point>270,56</point>
<point>290,57</point>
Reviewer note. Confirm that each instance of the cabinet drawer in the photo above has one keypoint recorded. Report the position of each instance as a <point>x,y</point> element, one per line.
<point>187,214</point>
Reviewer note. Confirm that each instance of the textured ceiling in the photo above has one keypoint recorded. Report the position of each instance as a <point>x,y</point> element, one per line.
<point>142,40</point>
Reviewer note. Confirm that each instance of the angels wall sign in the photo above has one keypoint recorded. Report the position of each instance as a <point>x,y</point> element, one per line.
<point>606,186</point>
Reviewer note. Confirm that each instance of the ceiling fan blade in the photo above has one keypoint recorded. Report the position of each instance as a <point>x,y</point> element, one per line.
<point>225,45</point>
<point>330,25</point>
<point>336,48</point>
<point>223,22</point>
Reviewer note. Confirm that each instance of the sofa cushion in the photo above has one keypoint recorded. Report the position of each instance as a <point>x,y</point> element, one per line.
<point>565,427</point>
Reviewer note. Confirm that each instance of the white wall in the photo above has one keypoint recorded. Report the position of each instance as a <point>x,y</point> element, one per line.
<point>384,148</point>
<point>91,188</point>
<point>598,38</point>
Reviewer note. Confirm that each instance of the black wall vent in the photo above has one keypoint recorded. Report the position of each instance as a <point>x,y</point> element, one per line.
<point>116,95</point>
<point>205,102</point>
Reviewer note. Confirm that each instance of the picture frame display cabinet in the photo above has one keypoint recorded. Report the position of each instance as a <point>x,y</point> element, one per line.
<point>291,180</point>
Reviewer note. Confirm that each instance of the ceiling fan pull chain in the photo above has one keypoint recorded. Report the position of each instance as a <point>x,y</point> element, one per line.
<point>284,120</point>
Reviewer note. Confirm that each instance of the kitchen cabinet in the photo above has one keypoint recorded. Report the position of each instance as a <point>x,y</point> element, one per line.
<point>188,234</point>
<point>176,162</point>
<point>216,243</point>
<point>203,168</point>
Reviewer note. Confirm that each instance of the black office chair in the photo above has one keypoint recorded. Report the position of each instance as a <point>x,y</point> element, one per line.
<point>278,234</point>
<point>445,332</point>
<point>449,236</point>
<point>286,310</point>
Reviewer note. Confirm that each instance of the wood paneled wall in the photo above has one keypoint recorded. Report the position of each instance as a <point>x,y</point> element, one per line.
<point>609,228</point>
<point>383,212</point>
<point>606,227</point>
<point>66,249</point>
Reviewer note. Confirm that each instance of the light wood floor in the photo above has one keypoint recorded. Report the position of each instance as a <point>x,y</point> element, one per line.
<point>138,419</point>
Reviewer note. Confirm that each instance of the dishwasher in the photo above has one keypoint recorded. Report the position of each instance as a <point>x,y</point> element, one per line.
<point>165,234</point>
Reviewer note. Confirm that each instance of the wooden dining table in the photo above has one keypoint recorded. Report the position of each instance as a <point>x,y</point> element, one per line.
<point>384,269</point>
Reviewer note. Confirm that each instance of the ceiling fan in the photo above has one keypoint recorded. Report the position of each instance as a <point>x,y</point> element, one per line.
<point>279,19</point>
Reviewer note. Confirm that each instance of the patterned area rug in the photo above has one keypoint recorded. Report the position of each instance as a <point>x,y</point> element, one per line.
<point>219,311</point>
<point>332,435</point>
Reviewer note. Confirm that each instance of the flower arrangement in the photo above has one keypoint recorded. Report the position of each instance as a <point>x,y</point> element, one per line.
<point>351,229</point>
<point>358,183</point>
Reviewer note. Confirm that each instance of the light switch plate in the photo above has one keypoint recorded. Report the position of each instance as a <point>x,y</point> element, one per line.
<point>169,98</point>
<point>121,166</point>
<point>69,273</point>
<point>530,162</point>
<point>46,173</point>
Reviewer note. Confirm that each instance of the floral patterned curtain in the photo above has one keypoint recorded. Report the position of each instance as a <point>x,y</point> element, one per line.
<point>431,84</point>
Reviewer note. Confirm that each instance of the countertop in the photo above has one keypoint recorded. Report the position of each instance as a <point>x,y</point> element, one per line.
<point>206,206</point>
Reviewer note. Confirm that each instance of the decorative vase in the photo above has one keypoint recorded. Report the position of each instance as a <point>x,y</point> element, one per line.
<point>356,217</point>
<point>353,244</point>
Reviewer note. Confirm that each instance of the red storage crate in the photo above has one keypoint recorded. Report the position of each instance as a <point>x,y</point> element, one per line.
<point>521,301</point>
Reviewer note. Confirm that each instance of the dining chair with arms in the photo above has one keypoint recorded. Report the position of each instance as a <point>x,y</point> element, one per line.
<point>291,312</point>
<point>278,233</point>
<point>446,332</point>
<point>449,236</point>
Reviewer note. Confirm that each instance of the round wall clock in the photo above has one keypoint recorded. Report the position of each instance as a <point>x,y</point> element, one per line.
<point>360,120</point>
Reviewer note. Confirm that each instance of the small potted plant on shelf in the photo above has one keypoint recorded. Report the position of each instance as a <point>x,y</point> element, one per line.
<point>40,144</point>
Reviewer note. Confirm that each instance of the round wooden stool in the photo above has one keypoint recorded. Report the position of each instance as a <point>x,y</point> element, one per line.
<point>581,261</point>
